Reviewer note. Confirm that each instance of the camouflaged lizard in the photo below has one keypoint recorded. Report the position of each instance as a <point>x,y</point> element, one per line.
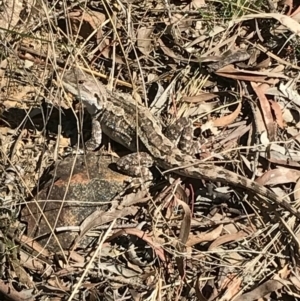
<point>132,125</point>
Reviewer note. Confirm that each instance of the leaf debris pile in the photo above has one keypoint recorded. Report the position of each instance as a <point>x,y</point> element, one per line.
<point>231,67</point>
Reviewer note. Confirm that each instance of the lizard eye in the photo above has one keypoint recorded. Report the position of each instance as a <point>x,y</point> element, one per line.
<point>81,81</point>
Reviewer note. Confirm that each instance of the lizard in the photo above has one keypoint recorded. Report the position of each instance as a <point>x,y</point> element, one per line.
<point>133,125</point>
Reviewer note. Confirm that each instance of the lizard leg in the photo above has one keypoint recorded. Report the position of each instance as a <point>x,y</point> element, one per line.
<point>96,138</point>
<point>181,134</point>
<point>136,165</point>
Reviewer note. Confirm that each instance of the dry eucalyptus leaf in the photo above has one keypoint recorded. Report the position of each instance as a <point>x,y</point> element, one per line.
<point>228,119</point>
<point>288,117</point>
<point>266,109</point>
<point>232,284</point>
<point>144,41</point>
<point>227,238</point>
<point>278,113</point>
<point>204,237</point>
<point>297,191</point>
<point>290,92</point>
<point>264,139</point>
<point>278,152</point>
<point>253,76</point>
<point>279,175</point>
<point>261,291</point>
<point>201,108</point>
<point>200,97</point>
<point>286,21</point>
<point>167,51</point>
<point>87,24</point>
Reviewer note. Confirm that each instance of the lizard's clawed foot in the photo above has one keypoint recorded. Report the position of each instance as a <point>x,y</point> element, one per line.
<point>96,139</point>
<point>181,133</point>
<point>72,151</point>
<point>136,165</point>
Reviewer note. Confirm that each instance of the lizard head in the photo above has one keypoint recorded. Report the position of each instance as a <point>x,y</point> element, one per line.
<point>86,88</point>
